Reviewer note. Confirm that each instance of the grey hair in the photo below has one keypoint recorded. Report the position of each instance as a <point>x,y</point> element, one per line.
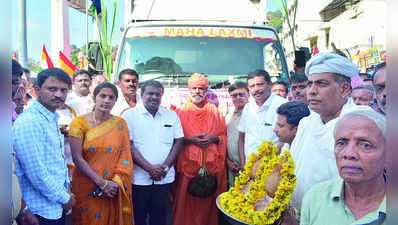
<point>369,113</point>
<point>364,86</point>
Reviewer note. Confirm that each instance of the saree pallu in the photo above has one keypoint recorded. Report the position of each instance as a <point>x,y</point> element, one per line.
<point>106,148</point>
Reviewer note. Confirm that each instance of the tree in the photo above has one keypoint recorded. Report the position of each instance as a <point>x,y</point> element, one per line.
<point>275,20</point>
<point>33,65</point>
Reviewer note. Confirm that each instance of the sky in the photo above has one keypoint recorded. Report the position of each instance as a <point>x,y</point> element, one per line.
<point>38,22</point>
<point>38,16</point>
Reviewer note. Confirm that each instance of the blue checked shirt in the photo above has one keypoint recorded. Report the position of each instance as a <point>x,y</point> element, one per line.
<point>41,167</point>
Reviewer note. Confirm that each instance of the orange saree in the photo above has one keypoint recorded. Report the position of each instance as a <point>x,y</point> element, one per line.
<point>106,148</point>
<point>188,209</point>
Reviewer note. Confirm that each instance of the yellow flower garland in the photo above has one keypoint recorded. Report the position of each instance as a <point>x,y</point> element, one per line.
<point>242,206</point>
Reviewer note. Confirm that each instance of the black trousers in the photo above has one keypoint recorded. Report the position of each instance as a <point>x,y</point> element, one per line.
<point>44,221</point>
<point>151,200</point>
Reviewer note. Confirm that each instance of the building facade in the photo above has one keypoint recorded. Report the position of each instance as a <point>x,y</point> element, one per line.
<point>355,27</point>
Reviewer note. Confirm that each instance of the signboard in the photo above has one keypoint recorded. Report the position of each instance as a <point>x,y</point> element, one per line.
<point>221,32</point>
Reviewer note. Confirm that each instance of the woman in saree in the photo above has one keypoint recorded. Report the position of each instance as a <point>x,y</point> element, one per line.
<point>101,152</point>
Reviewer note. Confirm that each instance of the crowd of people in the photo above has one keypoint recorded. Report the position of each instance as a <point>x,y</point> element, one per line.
<point>106,154</point>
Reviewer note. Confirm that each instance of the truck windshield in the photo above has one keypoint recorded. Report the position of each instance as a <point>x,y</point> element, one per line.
<point>171,60</point>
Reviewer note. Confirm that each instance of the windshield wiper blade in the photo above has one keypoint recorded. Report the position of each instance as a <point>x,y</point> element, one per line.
<point>224,83</point>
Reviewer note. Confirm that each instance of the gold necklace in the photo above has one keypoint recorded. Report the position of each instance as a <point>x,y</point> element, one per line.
<point>95,121</point>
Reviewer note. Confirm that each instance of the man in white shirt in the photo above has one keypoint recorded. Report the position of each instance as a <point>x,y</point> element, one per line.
<point>81,99</point>
<point>259,115</point>
<point>156,140</point>
<point>127,86</point>
<point>328,90</point>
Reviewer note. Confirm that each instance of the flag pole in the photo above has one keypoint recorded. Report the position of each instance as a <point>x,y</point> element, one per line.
<point>86,28</point>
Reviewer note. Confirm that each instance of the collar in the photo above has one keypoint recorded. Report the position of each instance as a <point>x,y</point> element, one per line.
<point>44,111</point>
<point>266,104</point>
<point>337,194</point>
<point>141,109</point>
<point>121,95</point>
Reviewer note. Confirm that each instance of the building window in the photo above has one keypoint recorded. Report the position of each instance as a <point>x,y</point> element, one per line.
<point>327,35</point>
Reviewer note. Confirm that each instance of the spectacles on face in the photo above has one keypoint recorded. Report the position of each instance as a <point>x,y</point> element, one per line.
<point>380,87</point>
<point>241,94</point>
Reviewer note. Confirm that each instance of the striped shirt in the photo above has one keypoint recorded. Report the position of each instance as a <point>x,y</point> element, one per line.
<point>41,167</point>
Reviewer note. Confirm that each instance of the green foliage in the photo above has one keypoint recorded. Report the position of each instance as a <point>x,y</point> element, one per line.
<point>282,5</point>
<point>106,38</point>
<point>33,65</point>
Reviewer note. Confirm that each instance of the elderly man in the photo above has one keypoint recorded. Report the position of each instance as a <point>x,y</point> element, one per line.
<point>362,95</point>
<point>328,90</point>
<point>379,82</point>
<point>156,139</point>
<point>259,115</point>
<point>127,88</point>
<point>239,95</point>
<point>298,87</point>
<point>358,195</point>
<point>80,99</point>
<point>204,130</point>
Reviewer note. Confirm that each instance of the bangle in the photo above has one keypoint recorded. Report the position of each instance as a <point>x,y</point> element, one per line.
<point>23,211</point>
<point>106,184</point>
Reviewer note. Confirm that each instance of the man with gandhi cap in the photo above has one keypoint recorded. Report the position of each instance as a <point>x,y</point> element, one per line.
<point>204,130</point>
<point>328,90</point>
<point>358,194</point>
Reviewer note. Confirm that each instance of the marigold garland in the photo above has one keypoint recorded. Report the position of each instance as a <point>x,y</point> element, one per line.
<point>242,206</point>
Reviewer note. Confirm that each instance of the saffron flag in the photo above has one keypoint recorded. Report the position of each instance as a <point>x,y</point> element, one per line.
<point>83,63</point>
<point>316,50</point>
<point>15,57</point>
<point>45,60</point>
<point>66,64</point>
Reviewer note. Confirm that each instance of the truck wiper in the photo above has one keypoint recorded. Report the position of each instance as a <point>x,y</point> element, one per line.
<point>224,83</point>
<point>159,75</point>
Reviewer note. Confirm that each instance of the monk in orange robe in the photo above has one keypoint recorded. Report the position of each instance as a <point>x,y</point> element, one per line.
<point>204,129</point>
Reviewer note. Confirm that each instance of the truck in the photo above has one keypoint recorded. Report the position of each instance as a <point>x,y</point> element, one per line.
<point>169,40</point>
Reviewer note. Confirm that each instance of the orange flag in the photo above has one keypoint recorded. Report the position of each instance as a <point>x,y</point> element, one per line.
<point>83,64</point>
<point>45,59</point>
<point>66,64</point>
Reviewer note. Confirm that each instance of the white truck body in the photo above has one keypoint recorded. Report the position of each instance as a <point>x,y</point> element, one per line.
<point>168,44</point>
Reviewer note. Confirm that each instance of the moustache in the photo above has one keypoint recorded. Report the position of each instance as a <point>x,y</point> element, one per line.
<point>154,100</point>
<point>198,95</point>
<point>384,102</point>
<point>56,99</point>
<point>258,92</point>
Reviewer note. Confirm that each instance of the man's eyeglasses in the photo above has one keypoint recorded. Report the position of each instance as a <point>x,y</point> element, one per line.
<point>242,94</point>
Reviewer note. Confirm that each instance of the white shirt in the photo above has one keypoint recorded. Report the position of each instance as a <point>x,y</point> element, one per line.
<point>65,118</point>
<point>153,137</point>
<point>81,105</point>
<point>313,152</point>
<point>258,122</point>
<point>121,103</point>
<point>70,97</point>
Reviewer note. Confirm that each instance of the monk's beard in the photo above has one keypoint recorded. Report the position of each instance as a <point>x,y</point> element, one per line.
<point>197,98</point>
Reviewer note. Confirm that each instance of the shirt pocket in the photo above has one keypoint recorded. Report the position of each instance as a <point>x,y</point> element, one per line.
<point>166,133</point>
